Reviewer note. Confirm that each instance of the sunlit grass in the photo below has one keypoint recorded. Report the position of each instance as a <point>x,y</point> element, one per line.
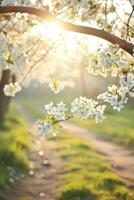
<point>87,176</point>
<point>35,104</point>
<point>117,126</point>
<point>14,145</point>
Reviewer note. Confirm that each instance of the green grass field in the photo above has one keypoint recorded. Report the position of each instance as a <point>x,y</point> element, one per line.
<point>118,126</point>
<point>14,145</point>
<point>86,175</point>
<point>35,102</point>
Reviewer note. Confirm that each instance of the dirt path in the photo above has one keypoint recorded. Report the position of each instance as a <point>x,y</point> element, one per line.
<point>48,168</point>
<point>121,159</point>
<point>43,178</point>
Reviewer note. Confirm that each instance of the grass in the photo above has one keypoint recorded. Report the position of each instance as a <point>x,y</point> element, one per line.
<point>118,126</point>
<point>87,176</point>
<point>35,105</point>
<point>14,145</point>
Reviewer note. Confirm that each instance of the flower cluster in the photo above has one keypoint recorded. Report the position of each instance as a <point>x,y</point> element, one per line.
<point>127,81</point>
<point>11,89</point>
<point>115,96</point>
<point>55,115</point>
<point>56,86</point>
<point>16,2</point>
<point>57,112</point>
<point>106,60</point>
<point>99,113</point>
<point>80,107</point>
<point>45,127</point>
<point>83,107</point>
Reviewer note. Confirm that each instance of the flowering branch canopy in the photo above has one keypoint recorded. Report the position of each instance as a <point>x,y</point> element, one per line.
<point>46,15</point>
<point>109,60</point>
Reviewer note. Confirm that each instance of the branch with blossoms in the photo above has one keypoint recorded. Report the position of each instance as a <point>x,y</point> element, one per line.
<point>104,62</point>
<point>84,108</point>
<point>12,88</point>
<point>80,107</point>
<point>46,15</point>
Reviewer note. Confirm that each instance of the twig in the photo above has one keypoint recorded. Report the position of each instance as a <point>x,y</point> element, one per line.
<point>34,65</point>
<point>128,21</point>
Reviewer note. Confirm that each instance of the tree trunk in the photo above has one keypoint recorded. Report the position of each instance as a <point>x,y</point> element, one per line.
<point>4,100</point>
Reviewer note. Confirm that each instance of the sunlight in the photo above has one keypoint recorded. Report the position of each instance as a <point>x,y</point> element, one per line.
<point>68,40</point>
<point>94,43</point>
<point>52,31</point>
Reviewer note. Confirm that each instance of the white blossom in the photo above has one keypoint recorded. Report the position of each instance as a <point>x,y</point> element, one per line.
<point>115,96</point>
<point>80,107</point>
<point>56,86</point>
<point>83,107</point>
<point>105,61</point>
<point>99,113</point>
<point>45,127</point>
<point>58,112</point>
<point>16,2</point>
<point>12,88</point>
<point>127,80</point>
<point>50,109</point>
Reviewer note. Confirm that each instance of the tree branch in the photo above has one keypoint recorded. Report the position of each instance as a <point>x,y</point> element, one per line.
<point>45,14</point>
<point>128,21</point>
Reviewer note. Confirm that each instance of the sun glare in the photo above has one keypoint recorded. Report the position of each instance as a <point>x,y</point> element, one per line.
<point>51,31</point>
<point>54,30</point>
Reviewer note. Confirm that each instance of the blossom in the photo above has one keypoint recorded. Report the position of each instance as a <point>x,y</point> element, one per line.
<point>127,80</point>
<point>56,86</point>
<point>16,2</point>
<point>57,112</point>
<point>60,111</point>
<point>45,127</point>
<point>99,113</point>
<point>82,107</point>
<point>106,57</point>
<point>11,89</point>
<point>50,109</point>
<point>106,60</point>
<point>115,96</point>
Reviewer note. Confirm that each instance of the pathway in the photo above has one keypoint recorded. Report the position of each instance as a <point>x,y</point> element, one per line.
<point>120,158</point>
<point>47,167</point>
